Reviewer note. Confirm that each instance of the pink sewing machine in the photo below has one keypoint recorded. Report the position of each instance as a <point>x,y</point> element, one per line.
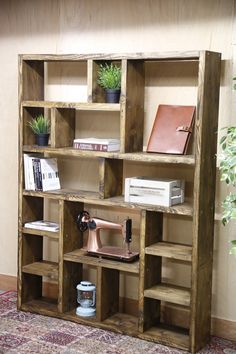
<point>94,245</point>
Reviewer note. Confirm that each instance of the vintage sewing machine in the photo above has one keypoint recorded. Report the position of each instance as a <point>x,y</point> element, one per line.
<point>94,245</point>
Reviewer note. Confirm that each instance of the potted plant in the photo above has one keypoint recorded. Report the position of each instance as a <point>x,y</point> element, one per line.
<point>228,174</point>
<point>40,125</point>
<point>109,78</point>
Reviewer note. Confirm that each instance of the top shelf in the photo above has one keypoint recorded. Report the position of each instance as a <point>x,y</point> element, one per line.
<point>186,55</point>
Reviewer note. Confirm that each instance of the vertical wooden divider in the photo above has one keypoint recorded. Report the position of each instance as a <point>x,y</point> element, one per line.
<point>62,127</point>
<point>107,296</point>
<point>206,126</point>
<point>70,273</point>
<point>132,105</point>
<point>95,92</point>
<point>150,267</point>
<point>31,87</point>
<point>110,177</point>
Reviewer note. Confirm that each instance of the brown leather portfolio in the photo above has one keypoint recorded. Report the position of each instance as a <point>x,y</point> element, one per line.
<point>171,129</point>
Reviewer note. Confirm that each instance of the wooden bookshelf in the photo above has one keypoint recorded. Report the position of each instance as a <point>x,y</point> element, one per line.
<point>73,260</point>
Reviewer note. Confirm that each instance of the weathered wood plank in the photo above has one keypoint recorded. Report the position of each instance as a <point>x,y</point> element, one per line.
<point>138,156</point>
<point>114,56</point>
<point>79,106</point>
<point>170,336</point>
<point>50,234</point>
<point>132,106</point>
<point>171,293</point>
<point>80,256</point>
<point>110,177</point>
<point>93,198</point>
<point>170,250</point>
<point>43,268</point>
<point>206,124</point>
<point>62,127</point>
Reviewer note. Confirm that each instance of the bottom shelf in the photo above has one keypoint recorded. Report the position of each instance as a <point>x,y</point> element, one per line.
<point>119,322</point>
<point>168,335</point>
<point>42,306</point>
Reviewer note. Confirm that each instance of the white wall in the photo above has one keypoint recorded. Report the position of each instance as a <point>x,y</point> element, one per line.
<point>85,26</point>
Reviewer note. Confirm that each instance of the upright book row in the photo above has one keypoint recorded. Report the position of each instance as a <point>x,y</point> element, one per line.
<point>41,174</point>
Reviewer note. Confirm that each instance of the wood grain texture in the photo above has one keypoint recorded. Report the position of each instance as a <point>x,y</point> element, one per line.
<point>79,106</point>
<point>110,177</point>
<point>138,156</point>
<point>132,106</point>
<point>43,268</point>
<point>62,127</point>
<point>204,195</point>
<point>170,250</point>
<point>113,56</point>
<point>94,199</point>
<point>150,268</point>
<point>165,292</point>
<point>80,256</point>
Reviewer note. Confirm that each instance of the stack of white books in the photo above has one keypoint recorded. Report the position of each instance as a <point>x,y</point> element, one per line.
<point>43,225</point>
<point>96,144</point>
<point>41,173</point>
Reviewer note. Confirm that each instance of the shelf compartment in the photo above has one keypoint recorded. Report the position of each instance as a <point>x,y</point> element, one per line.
<point>42,306</point>
<point>50,234</point>
<point>168,335</point>
<point>171,293</point>
<point>93,199</point>
<point>170,250</point>
<point>43,268</point>
<point>134,156</point>
<point>80,256</point>
<point>80,106</point>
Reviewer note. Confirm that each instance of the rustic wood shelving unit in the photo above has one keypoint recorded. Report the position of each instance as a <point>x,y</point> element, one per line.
<point>68,271</point>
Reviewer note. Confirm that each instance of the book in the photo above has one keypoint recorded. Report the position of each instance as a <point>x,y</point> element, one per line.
<point>172,129</point>
<point>50,174</point>
<point>95,144</point>
<point>41,173</point>
<point>43,225</point>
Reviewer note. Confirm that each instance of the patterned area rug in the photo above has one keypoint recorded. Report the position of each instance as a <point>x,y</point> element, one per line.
<point>22,332</point>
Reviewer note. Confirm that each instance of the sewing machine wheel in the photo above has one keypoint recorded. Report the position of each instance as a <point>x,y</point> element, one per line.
<point>82,225</point>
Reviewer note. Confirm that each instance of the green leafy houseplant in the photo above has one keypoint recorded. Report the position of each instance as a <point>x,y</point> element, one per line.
<point>40,125</point>
<point>109,76</point>
<point>228,175</point>
<point>41,128</point>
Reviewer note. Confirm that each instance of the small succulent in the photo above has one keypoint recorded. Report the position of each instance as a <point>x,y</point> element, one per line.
<point>109,76</point>
<point>40,125</point>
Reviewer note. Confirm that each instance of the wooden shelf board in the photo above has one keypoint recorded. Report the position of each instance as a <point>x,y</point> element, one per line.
<point>81,106</point>
<point>168,335</point>
<point>43,306</point>
<point>171,293</point>
<point>119,322</point>
<point>81,256</point>
<point>50,234</point>
<point>125,323</point>
<point>186,55</point>
<point>93,199</point>
<point>170,250</point>
<point>134,156</point>
<point>43,268</point>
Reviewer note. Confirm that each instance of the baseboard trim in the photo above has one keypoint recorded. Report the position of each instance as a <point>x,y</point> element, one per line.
<point>219,327</point>
<point>8,282</point>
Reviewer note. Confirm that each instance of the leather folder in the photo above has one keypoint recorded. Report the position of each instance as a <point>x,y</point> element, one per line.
<point>172,129</point>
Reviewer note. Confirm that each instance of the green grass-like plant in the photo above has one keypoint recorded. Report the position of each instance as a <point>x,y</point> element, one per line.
<point>228,175</point>
<point>40,125</point>
<point>109,76</point>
